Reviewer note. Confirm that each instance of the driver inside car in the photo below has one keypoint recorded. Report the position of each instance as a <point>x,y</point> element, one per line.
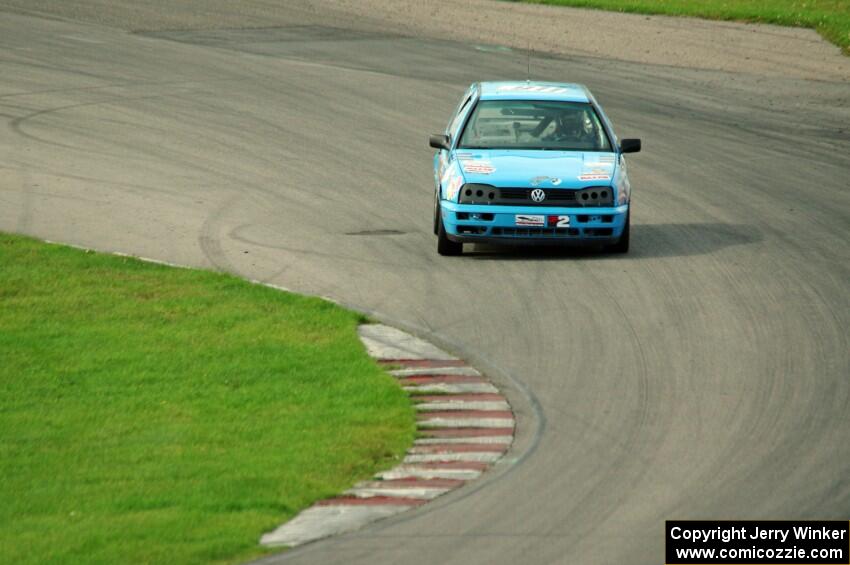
<point>570,126</point>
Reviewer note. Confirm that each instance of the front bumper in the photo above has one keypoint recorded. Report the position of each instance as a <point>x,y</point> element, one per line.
<point>471,223</point>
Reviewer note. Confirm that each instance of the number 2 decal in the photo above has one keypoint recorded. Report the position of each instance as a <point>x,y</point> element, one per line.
<point>559,221</point>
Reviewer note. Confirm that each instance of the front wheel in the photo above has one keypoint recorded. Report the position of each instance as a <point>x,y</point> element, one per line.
<point>622,245</point>
<point>445,246</point>
<point>436,214</point>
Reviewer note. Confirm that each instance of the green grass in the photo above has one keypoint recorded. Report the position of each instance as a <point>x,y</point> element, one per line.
<point>831,18</point>
<point>158,415</point>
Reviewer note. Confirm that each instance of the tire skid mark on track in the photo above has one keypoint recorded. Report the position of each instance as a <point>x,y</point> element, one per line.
<point>120,85</point>
<point>123,185</point>
<point>16,125</point>
<point>628,447</point>
<point>209,241</point>
<point>760,421</point>
<point>25,217</point>
<point>236,235</point>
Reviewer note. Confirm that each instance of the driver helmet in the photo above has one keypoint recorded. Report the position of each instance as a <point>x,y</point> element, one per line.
<point>570,122</point>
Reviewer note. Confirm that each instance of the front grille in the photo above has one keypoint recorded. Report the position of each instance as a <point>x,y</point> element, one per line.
<point>536,232</point>
<point>555,197</point>
<point>584,218</point>
<point>523,196</point>
<point>600,232</point>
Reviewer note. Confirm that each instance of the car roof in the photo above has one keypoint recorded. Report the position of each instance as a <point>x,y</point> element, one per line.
<point>534,90</point>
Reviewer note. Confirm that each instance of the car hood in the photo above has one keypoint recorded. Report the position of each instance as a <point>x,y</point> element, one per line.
<point>546,169</point>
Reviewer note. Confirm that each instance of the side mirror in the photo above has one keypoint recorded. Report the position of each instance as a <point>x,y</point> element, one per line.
<point>438,141</point>
<point>629,145</point>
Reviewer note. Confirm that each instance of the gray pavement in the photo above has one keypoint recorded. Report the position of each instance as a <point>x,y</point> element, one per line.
<point>704,375</point>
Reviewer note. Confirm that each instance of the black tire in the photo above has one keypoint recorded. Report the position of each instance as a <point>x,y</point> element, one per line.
<point>622,245</point>
<point>436,215</point>
<point>445,246</point>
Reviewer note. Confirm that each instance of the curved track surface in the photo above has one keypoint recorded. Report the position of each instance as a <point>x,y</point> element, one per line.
<point>705,375</point>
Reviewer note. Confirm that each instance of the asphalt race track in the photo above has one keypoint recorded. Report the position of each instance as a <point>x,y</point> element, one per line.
<point>704,375</point>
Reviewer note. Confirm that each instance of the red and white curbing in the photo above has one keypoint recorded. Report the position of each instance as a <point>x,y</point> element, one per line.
<point>465,425</point>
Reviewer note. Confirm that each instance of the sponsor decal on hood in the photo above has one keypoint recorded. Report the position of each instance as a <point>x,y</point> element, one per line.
<point>595,175</point>
<point>478,167</point>
<point>536,181</point>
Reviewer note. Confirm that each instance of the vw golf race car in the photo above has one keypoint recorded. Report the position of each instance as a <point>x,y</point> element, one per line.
<point>530,163</point>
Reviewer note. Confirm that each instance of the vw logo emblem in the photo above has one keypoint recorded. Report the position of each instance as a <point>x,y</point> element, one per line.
<point>538,195</point>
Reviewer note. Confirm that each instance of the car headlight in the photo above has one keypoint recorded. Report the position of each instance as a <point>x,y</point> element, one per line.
<point>595,196</point>
<point>474,193</point>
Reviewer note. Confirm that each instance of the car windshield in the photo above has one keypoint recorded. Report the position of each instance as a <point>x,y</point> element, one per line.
<point>529,124</point>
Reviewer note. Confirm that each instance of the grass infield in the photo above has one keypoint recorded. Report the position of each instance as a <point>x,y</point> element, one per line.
<point>831,18</point>
<point>151,414</point>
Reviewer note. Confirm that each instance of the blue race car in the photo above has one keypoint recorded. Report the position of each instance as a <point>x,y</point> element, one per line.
<point>530,163</point>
